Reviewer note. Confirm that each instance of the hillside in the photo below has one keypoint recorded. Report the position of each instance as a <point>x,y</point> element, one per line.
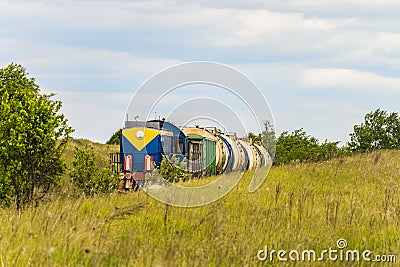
<point>300,206</point>
<point>101,150</point>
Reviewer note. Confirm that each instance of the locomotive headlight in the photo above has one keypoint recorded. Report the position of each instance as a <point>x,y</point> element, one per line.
<point>139,135</point>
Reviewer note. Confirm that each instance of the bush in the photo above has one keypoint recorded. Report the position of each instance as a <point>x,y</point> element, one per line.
<point>115,138</point>
<point>300,147</point>
<point>297,146</point>
<point>169,171</point>
<point>91,175</point>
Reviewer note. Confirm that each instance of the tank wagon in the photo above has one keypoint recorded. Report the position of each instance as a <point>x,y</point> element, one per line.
<point>204,151</point>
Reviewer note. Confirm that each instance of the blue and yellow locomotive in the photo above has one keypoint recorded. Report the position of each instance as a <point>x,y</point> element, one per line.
<point>143,145</point>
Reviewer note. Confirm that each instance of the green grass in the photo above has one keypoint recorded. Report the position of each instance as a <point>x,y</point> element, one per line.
<point>101,151</point>
<point>301,206</point>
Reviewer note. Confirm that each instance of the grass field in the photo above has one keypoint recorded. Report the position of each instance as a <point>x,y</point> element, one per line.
<point>299,207</point>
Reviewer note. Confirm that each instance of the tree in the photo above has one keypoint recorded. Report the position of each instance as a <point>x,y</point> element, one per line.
<point>32,137</point>
<point>296,146</point>
<point>254,138</point>
<point>90,174</point>
<point>331,150</point>
<point>114,139</point>
<point>300,147</point>
<point>380,130</point>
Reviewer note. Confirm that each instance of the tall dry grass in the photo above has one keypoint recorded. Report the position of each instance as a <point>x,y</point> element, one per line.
<point>303,206</point>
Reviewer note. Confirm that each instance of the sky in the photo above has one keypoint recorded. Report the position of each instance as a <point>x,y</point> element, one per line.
<point>321,65</point>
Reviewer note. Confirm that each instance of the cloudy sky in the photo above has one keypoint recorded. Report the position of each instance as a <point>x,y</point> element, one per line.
<point>322,65</point>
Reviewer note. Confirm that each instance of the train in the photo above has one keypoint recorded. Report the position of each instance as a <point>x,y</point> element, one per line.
<point>202,151</point>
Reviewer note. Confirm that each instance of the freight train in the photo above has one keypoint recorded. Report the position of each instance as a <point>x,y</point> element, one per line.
<point>203,151</point>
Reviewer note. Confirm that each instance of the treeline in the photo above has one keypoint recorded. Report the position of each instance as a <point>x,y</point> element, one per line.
<point>300,147</point>
<point>380,130</point>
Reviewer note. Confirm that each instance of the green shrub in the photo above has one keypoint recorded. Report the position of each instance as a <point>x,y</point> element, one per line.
<point>300,147</point>
<point>90,174</point>
<point>114,139</point>
<point>173,169</point>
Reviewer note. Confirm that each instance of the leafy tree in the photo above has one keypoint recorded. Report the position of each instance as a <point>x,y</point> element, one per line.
<point>297,146</point>
<point>331,150</point>
<point>90,174</point>
<point>254,138</point>
<point>172,169</point>
<point>380,130</point>
<point>300,147</point>
<point>114,139</point>
<point>32,138</point>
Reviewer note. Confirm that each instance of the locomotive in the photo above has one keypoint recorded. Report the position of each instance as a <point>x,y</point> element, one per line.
<point>203,151</point>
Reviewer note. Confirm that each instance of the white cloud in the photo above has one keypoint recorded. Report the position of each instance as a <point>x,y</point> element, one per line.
<point>242,4</point>
<point>388,44</point>
<point>264,32</point>
<point>95,116</point>
<point>323,118</point>
<point>24,9</point>
<point>248,27</point>
<point>290,48</point>
<point>349,79</point>
<point>341,3</point>
<point>71,68</point>
<point>212,26</point>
